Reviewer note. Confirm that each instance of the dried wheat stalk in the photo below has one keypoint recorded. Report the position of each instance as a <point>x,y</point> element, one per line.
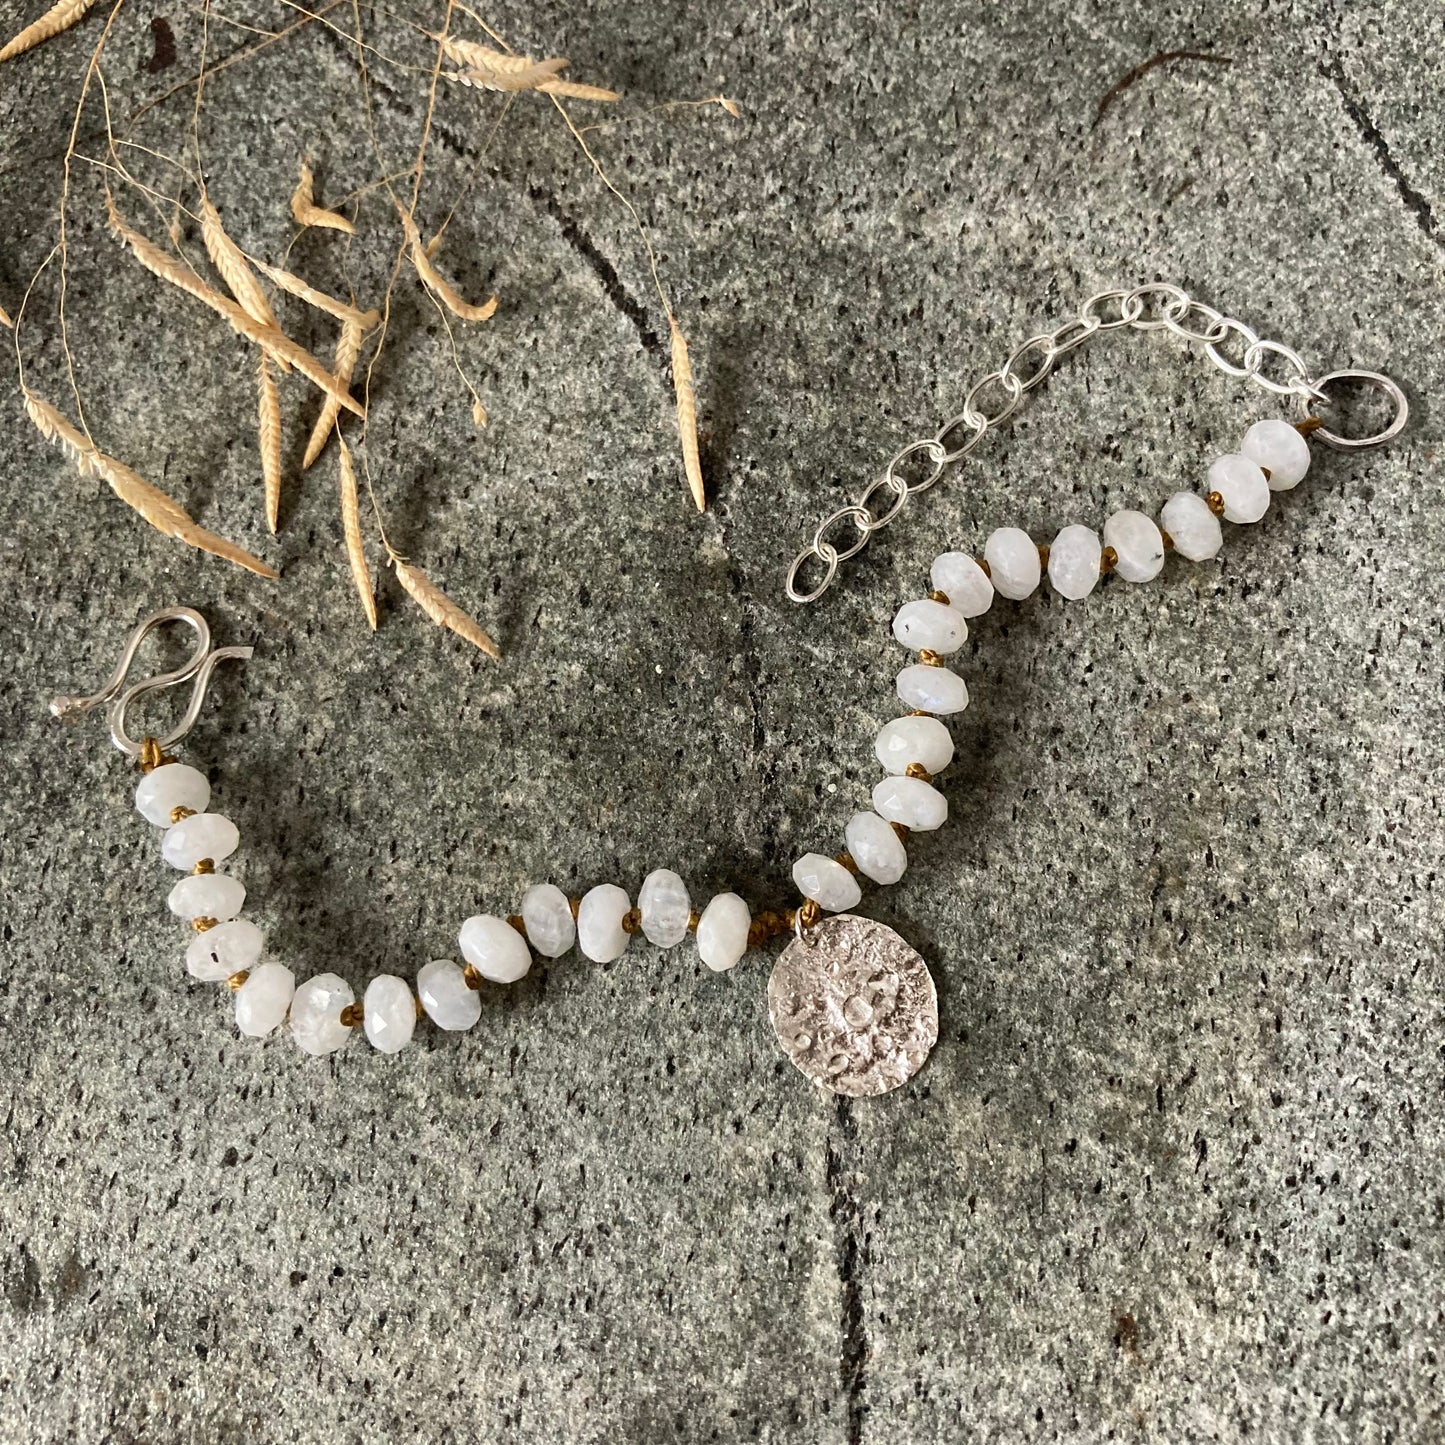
<point>161,511</point>
<point>440,608</point>
<point>435,282</point>
<point>490,69</point>
<point>348,348</point>
<point>351,526</point>
<point>227,258</point>
<point>268,426</point>
<point>687,414</point>
<point>60,16</point>
<point>303,291</point>
<point>308,213</point>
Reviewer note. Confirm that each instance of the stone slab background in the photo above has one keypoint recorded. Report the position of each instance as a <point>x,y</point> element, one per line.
<point>1173,1172</point>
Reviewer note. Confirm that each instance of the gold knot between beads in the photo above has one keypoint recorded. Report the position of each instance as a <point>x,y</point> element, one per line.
<point>152,755</point>
<point>237,979</point>
<point>517,922</point>
<point>1216,503</point>
<point>917,770</point>
<point>936,596</point>
<point>472,977</point>
<point>632,920</point>
<point>205,865</point>
<point>202,924</point>
<point>847,860</point>
<point>352,1015</point>
<point>1108,560</point>
<point>181,811</point>
<point>929,658</point>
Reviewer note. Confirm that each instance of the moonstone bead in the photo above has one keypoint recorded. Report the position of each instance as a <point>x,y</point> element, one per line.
<point>827,882</point>
<point>876,848</point>
<point>921,740</point>
<point>912,802</point>
<point>1242,485</point>
<point>262,1001</point>
<point>599,923</point>
<point>207,895</point>
<point>171,786</point>
<point>494,948</point>
<point>1137,543</point>
<point>389,1013</point>
<point>930,624</point>
<point>665,908</point>
<point>449,1002</point>
<point>1277,447</point>
<point>547,917</point>
<point>932,689</point>
<point>1074,562</point>
<point>203,835</point>
<point>959,577</point>
<point>722,932</point>
<point>213,956</point>
<point>1192,527</point>
<point>316,1014</point>
<point>1013,562</point>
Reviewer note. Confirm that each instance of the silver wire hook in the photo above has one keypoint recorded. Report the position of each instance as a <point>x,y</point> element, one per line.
<point>198,666</point>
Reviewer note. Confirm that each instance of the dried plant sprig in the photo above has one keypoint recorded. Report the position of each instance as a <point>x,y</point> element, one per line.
<point>293,285</point>
<point>163,513</point>
<point>348,349</point>
<point>308,213</point>
<point>5,320</point>
<point>351,527</point>
<point>686,414</point>
<point>574,91</point>
<point>268,427</point>
<point>61,16</point>
<point>229,260</point>
<point>433,279</point>
<point>440,608</point>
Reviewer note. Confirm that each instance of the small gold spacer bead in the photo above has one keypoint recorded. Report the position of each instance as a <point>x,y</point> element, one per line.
<point>847,860</point>
<point>237,979</point>
<point>473,978</point>
<point>917,770</point>
<point>352,1015</point>
<point>515,919</point>
<point>205,865</point>
<point>1216,503</point>
<point>693,919</point>
<point>1044,555</point>
<point>902,830</point>
<point>632,920</point>
<point>929,658</point>
<point>1309,425</point>
<point>1166,539</point>
<point>1108,560</point>
<point>181,811</point>
<point>202,924</point>
<point>938,597</point>
<point>983,566</point>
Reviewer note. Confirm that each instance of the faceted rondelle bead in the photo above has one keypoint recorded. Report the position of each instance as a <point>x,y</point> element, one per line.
<point>1280,450</point>
<point>1138,545</point>
<point>1194,529</point>
<point>932,689</point>
<point>207,895</point>
<point>919,806</point>
<point>262,1001</point>
<point>875,847</point>
<point>599,923</point>
<point>316,1014</point>
<point>722,932</point>
<point>1074,562</point>
<point>202,835</point>
<point>389,1014</point>
<point>665,907</point>
<point>213,956</point>
<point>827,882</point>
<point>450,1003</point>
<point>168,787</point>
<point>547,917</point>
<point>959,577</point>
<point>494,948</point>
<point>1242,485</point>
<point>1013,562</point>
<point>930,624</point>
<point>921,740</point>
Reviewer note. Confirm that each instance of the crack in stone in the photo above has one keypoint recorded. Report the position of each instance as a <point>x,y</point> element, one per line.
<point>847,1215</point>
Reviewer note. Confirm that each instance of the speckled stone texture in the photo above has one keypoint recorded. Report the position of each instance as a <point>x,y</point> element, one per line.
<point>1173,1172</point>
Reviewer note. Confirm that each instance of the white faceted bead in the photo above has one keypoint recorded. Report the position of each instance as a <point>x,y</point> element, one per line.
<point>932,689</point>
<point>213,956</point>
<point>171,786</point>
<point>1138,544</point>
<point>599,923</point>
<point>388,1013</point>
<point>1242,485</point>
<point>912,802</point>
<point>262,1001</point>
<point>203,835</point>
<point>1074,562</point>
<point>449,1002</point>
<point>930,624</point>
<point>494,948</point>
<point>207,895</point>
<point>963,582</point>
<point>1280,450</point>
<point>547,917</point>
<point>921,740</point>
<point>827,882</point>
<point>1192,527</point>
<point>722,932</point>
<point>1013,562</point>
<point>876,848</point>
<point>316,1014</point>
<point>665,908</point>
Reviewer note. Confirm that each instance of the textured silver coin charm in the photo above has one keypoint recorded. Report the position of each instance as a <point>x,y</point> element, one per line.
<point>853,1006</point>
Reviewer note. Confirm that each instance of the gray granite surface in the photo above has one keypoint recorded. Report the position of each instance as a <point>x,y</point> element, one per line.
<point>1174,1170</point>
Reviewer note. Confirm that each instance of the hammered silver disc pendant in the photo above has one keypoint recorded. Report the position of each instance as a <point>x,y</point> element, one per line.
<point>853,1006</point>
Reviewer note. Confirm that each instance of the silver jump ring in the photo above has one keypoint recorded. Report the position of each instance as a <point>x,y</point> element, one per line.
<point>1213,352</point>
<point>1139,297</point>
<point>1175,320</point>
<point>897,486</point>
<point>1129,309</point>
<point>1391,388</point>
<point>1073,333</point>
<point>1009,383</point>
<point>1045,346</point>
<point>862,520</point>
<point>1297,386</point>
<point>826,555</point>
<point>936,454</point>
<point>951,455</point>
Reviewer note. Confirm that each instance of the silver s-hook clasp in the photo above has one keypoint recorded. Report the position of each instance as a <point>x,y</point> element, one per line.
<point>196,669</point>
